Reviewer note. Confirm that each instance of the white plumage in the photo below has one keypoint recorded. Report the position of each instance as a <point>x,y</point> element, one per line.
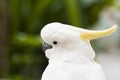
<point>71,56</point>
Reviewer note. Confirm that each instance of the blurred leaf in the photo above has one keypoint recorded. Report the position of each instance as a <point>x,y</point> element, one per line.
<point>19,77</point>
<point>23,39</point>
<point>73,12</point>
<point>23,58</point>
<point>88,2</point>
<point>16,58</point>
<point>36,12</point>
<point>27,58</point>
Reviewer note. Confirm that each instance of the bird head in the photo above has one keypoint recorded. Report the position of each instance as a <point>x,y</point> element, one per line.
<point>69,42</point>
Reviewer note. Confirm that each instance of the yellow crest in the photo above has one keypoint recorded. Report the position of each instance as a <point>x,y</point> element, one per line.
<point>90,35</point>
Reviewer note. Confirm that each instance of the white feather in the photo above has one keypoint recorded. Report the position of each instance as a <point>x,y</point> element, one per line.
<point>72,58</point>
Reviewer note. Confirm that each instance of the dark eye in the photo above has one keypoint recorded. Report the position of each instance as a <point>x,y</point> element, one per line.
<point>55,42</point>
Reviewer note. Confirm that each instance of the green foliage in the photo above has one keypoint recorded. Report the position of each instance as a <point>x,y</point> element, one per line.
<point>0,8</point>
<point>73,11</point>
<point>15,16</point>
<point>37,11</point>
<point>23,39</point>
<point>26,60</point>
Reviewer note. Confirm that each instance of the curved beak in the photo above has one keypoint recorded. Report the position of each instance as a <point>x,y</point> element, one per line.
<point>46,46</point>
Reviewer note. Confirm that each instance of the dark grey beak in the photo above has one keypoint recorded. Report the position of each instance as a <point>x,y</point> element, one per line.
<point>46,46</point>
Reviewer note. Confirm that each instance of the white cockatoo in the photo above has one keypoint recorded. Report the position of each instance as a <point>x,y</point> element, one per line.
<point>70,54</point>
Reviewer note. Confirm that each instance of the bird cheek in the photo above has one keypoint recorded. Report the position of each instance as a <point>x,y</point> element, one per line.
<point>49,53</point>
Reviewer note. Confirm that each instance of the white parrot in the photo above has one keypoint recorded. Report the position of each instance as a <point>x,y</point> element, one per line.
<point>70,54</point>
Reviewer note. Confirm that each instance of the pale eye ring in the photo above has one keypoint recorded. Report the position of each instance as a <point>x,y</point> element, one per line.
<point>55,42</point>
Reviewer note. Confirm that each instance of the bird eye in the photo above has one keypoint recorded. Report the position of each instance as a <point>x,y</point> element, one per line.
<point>55,42</point>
